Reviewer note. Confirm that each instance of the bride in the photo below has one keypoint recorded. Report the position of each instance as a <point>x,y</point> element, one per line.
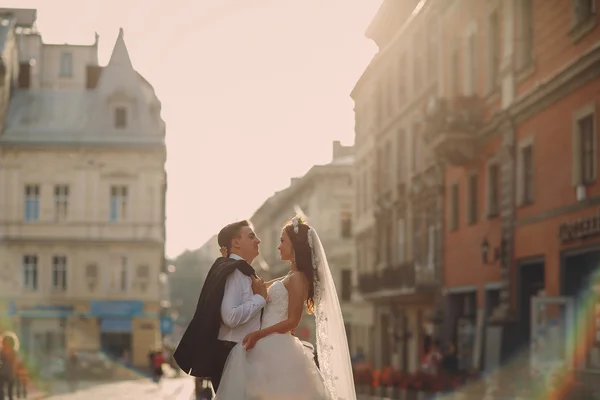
<point>271,364</point>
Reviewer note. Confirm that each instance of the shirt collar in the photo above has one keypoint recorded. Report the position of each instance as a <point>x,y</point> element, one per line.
<point>235,257</point>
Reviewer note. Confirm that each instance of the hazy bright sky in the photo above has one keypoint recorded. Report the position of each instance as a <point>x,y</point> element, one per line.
<point>253,91</point>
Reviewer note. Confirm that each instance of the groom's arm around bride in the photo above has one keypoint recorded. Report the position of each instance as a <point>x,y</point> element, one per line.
<point>229,306</point>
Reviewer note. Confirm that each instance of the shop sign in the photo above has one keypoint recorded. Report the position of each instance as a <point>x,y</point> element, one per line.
<point>116,325</point>
<point>116,308</point>
<point>166,325</point>
<point>581,228</point>
<point>40,310</point>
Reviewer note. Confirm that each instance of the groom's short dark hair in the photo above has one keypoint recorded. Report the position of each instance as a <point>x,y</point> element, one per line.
<point>230,231</point>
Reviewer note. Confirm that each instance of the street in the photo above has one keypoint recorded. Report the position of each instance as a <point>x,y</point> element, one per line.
<point>143,389</point>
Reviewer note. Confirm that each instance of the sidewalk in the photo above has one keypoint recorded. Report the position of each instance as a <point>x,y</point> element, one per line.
<point>57,387</point>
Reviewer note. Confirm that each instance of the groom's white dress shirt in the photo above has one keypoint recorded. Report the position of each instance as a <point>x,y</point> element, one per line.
<point>240,309</point>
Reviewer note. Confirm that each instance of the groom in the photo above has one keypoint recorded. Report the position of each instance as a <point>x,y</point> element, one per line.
<point>229,306</point>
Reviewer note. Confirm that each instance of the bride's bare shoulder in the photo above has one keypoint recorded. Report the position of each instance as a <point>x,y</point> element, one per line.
<point>297,282</point>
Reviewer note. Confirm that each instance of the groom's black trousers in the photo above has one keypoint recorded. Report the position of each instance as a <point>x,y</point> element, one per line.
<point>221,354</point>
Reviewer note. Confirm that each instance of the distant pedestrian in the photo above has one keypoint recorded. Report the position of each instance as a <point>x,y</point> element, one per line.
<point>157,365</point>
<point>72,370</point>
<point>8,367</point>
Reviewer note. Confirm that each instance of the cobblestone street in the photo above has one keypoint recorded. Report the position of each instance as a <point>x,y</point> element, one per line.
<point>142,389</point>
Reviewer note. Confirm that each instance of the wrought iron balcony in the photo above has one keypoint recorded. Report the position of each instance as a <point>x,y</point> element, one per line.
<point>390,278</point>
<point>451,128</point>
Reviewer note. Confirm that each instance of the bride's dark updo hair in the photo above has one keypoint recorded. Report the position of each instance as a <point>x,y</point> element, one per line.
<point>303,256</point>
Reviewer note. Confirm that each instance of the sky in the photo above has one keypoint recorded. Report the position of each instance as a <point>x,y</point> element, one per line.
<point>254,92</point>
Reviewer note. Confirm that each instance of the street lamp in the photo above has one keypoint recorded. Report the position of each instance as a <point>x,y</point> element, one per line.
<point>485,249</point>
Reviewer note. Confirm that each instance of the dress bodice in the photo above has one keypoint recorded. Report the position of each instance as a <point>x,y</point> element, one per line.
<point>277,306</point>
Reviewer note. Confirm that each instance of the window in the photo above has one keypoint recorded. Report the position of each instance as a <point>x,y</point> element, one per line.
<point>117,278</point>
<point>416,148</point>
<point>366,192</point>
<point>493,190</point>
<point>59,273</point>
<point>91,275</point>
<point>142,275</point>
<point>61,202</point>
<point>120,117</point>
<point>493,50</point>
<point>454,207</point>
<point>388,98</point>
<point>400,158</point>
<point>402,81</point>
<point>455,73</point>
<point>470,72</point>
<point>32,203</point>
<point>359,189</point>
<point>432,55</point>
<point>418,64</point>
<point>472,206</point>
<point>118,203</point>
<point>387,167</point>
<point>525,34</point>
<point>525,189</point>
<point>583,10</point>
<point>431,246</point>
<point>584,146</point>
<point>346,224</point>
<point>30,272</point>
<point>389,243</point>
<point>346,294</point>
<point>401,241</point>
<point>66,65</point>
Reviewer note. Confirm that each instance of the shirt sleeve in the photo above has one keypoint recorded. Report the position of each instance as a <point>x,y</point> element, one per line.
<point>234,311</point>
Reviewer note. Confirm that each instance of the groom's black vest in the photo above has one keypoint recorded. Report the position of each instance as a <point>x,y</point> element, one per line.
<point>195,353</point>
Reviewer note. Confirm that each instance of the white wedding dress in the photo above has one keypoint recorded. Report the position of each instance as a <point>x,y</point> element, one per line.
<point>277,368</point>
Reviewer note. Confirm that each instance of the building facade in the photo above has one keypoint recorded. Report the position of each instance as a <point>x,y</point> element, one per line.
<point>82,210</point>
<point>516,130</point>
<point>325,194</point>
<point>399,182</point>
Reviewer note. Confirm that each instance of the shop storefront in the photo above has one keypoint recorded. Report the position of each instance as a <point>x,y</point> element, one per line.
<point>580,282</point>
<point>41,328</point>
<point>558,290</point>
<point>125,329</point>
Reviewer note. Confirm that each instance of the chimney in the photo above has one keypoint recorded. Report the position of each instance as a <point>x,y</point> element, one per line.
<point>293,181</point>
<point>340,151</point>
<point>93,73</point>
<point>24,75</point>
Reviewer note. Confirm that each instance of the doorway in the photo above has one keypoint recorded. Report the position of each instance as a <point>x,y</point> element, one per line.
<point>532,279</point>
<point>581,279</point>
<point>115,344</point>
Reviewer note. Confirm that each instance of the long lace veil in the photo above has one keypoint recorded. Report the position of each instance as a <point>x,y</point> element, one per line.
<point>332,345</point>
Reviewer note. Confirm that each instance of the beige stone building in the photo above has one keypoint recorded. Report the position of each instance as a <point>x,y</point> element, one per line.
<point>399,185</point>
<point>82,201</point>
<point>325,194</point>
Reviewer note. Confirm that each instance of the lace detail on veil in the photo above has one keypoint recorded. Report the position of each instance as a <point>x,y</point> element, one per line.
<point>330,327</point>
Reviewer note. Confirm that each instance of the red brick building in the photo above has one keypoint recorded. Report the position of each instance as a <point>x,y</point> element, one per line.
<point>516,131</point>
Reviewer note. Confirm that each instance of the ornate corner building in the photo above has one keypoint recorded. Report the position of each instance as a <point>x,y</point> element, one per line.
<point>82,203</point>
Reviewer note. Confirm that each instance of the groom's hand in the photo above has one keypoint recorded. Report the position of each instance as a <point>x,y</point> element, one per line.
<point>259,287</point>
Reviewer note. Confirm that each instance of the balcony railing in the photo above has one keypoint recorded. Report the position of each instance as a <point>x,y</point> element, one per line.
<point>404,276</point>
<point>393,277</point>
<point>451,127</point>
